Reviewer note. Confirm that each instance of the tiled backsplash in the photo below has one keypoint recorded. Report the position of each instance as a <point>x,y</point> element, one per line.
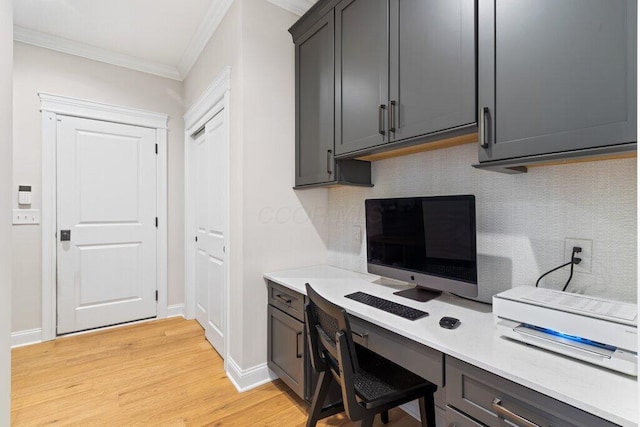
<point>522,220</point>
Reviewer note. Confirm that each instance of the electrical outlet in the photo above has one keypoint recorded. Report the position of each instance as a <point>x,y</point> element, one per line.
<point>356,234</point>
<point>585,255</point>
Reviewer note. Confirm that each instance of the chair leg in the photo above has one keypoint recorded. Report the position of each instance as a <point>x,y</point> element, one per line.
<point>427,411</point>
<point>384,416</point>
<point>319,396</point>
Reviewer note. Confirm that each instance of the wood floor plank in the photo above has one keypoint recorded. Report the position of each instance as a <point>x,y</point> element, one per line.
<point>160,373</point>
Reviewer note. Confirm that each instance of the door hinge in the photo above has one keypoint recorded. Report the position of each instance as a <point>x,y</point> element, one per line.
<point>156,148</point>
<point>156,295</point>
<point>156,222</point>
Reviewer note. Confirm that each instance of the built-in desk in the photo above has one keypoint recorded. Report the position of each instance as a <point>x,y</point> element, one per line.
<point>474,344</point>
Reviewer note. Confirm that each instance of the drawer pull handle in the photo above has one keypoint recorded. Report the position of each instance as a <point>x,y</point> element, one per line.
<point>283,299</point>
<point>298,355</point>
<point>363,335</point>
<point>508,415</point>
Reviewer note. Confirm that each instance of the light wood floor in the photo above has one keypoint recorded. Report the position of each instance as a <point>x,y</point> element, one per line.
<point>155,373</point>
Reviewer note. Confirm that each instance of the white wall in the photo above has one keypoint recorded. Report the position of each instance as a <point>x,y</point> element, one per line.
<point>283,228</point>
<point>41,70</point>
<point>272,226</point>
<point>6,137</point>
<point>522,220</point>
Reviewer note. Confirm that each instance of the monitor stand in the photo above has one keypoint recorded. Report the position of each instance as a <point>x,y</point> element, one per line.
<point>419,294</point>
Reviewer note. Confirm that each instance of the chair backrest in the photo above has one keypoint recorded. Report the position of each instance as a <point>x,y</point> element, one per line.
<point>332,346</point>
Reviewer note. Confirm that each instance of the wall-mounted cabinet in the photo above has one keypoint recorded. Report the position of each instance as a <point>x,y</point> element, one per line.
<point>556,80</point>
<point>405,69</point>
<point>543,81</point>
<point>315,161</point>
<point>377,75</point>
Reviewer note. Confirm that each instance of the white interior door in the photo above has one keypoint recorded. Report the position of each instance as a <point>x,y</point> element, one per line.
<point>106,201</point>
<point>210,158</point>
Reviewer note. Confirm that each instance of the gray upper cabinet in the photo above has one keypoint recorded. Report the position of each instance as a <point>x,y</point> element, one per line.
<point>315,103</point>
<point>432,66</point>
<point>362,74</point>
<point>556,77</point>
<point>404,69</point>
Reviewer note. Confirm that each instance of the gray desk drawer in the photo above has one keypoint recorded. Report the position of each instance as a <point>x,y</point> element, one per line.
<point>458,419</point>
<point>285,299</point>
<point>422,360</point>
<point>491,400</point>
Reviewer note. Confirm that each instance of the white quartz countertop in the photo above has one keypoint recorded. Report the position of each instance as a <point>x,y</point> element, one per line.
<point>601,392</point>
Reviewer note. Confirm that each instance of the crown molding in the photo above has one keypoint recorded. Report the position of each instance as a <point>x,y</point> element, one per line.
<point>83,50</point>
<point>299,7</point>
<point>212,19</point>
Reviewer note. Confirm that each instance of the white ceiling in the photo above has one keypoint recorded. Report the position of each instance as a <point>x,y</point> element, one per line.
<point>162,37</point>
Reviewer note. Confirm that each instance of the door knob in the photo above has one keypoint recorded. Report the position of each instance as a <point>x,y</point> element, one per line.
<point>65,235</point>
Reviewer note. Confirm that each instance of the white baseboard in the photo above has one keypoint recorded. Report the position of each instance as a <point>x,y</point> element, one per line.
<point>175,310</point>
<point>34,336</point>
<point>246,379</point>
<point>22,338</point>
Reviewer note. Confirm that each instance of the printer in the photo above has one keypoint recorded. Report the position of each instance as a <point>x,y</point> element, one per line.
<point>595,330</point>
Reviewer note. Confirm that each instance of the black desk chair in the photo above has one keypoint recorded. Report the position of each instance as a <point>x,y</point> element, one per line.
<point>370,383</point>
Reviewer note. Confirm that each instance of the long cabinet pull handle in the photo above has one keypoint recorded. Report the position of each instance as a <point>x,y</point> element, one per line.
<point>329,171</point>
<point>381,119</point>
<point>392,116</point>
<point>283,299</point>
<point>482,128</point>
<point>298,355</point>
<point>508,415</point>
<point>363,335</point>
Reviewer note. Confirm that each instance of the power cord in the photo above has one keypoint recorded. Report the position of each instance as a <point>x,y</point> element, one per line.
<point>574,260</point>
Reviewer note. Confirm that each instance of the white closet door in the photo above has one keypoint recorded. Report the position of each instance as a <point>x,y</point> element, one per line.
<point>106,195</point>
<point>210,158</point>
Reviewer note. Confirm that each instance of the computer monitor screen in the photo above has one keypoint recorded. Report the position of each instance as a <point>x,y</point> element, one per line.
<point>428,241</point>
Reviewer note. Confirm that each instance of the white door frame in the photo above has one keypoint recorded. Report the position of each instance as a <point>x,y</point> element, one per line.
<point>51,106</point>
<point>214,100</point>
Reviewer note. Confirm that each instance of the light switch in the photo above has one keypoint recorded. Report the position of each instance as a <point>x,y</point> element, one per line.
<point>26,216</point>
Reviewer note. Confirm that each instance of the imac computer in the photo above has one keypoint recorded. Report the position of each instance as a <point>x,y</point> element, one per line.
<point>426,241</point>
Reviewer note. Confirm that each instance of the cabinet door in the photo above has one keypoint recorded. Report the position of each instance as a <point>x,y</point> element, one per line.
<point>315,104</point>
<point>432,66</point>
<point>362,76</point>
<point>286,349</point>
<point>555,75</point>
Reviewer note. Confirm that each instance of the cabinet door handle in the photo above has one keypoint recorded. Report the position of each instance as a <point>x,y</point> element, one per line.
<point>283,299</point>
<point>329,171</point>
<point>482,128</point>
<point>508,415</point>
<point>364,336</point>
<point>298,355</point>
<point>392,116</point>
<point>381,119</point>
